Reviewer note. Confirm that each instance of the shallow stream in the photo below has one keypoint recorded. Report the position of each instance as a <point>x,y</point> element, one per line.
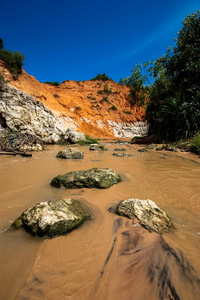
<point>109,257</point>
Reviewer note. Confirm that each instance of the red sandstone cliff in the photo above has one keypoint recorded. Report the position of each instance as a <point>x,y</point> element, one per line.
<point>81,101</point>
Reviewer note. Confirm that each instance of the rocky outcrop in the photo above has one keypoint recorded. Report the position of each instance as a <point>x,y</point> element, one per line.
<point>92,178</point>
<point>74,136</point>
<point>21,112</point>
<point>149,215</point>
<point>167,148</point>
<point>87,105</point>
<point>52,218</point>
<point>128,130</point>
<point>70,153</point>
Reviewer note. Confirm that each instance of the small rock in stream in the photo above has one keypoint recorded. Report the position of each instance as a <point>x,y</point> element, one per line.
<point>121,154</point>
<point>70,153</point>
<point>120,149</point>
<point>142,150</point>
<point>95,147</point>
<point>149,215</point>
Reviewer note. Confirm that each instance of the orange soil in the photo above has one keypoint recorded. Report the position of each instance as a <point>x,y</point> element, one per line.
<point>79,100</point>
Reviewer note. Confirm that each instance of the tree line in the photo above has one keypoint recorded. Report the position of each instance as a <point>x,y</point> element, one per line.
<point>169,87</point>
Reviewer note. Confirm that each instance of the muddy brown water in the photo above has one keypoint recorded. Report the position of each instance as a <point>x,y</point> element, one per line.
<point>109,257</point>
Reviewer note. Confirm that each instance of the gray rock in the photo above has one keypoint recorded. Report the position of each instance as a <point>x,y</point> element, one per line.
<point>52,218</point>
<point>167,148</point>
<point>171,148</point>
<point>121,154</point>
<point>95,147</point>
<point>159,148</point>
<point>120,149</point>
<point>149,215</point>
<point>142,150</point>
<point>92,178</point>
<point>70,153</point>
<point>75,136</point>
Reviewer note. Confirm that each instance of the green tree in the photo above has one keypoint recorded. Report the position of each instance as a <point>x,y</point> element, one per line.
<point>173,108</point>
<point>1,44</point>
<point>55,83</point>
<point>139,83</point>
<point>185,63</point>
<point>102,77</point>
<point>13,60</point>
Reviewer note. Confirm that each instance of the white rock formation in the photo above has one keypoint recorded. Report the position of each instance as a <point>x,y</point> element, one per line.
<point>128,130</point>
<point>20,111</point>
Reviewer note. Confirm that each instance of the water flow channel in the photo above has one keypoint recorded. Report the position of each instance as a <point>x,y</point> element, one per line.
<point>108,257</point>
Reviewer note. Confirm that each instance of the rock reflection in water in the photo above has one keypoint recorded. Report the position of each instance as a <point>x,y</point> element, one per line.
<point>142,265</point>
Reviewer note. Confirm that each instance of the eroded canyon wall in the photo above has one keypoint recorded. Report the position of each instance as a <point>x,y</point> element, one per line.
<point>97,108</point>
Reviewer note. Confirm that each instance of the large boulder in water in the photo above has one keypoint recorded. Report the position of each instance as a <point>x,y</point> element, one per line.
<point>149,215</point>
<point>92,178</point>
<point>70,153</point>
<point>52,218</point>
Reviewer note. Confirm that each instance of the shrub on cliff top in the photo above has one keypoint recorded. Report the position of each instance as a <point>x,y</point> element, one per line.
<point>102,77</point>
<point>54,83</point>
<point>13,60</point>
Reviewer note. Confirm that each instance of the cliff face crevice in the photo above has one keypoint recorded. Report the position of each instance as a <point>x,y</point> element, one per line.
<point>96,108</point>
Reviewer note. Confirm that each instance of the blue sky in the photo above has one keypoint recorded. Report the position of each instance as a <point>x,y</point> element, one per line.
<point>77,39</point>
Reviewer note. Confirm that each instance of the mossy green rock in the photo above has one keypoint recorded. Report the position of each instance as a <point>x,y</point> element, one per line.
<point>52,218</point>
<point>142,150</point>
<point>120,149</point>
<point>149,215</point>
<point>95,147</point>
<point>70,153</point>
<point>121,154</point>
<point>92,178</point>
